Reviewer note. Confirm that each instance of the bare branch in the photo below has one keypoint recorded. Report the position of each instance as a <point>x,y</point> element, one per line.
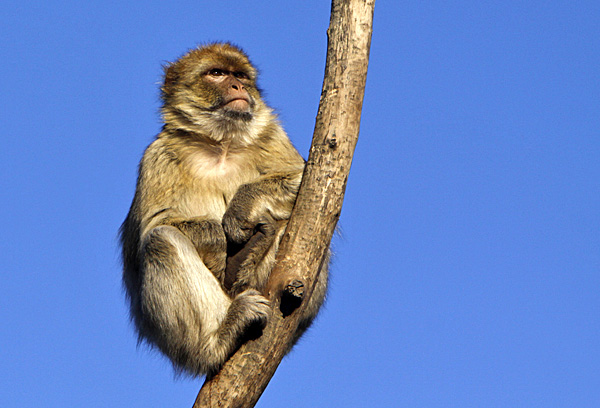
<point>303,249</point>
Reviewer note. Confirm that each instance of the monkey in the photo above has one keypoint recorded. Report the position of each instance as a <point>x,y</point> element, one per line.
<point>213,195</point>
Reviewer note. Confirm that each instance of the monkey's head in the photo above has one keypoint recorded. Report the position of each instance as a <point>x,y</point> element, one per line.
<point>212,91</point>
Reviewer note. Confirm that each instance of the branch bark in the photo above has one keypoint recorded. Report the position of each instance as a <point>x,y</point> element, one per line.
<point>303,249</point>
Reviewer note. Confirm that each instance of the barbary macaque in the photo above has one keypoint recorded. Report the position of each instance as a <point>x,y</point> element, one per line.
<point>220,180</point>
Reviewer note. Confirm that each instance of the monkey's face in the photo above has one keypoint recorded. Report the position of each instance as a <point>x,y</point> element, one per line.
<point>212,88</point>
<point>228,89</point>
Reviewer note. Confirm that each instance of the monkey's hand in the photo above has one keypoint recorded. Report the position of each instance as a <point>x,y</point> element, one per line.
<point>245,215</point>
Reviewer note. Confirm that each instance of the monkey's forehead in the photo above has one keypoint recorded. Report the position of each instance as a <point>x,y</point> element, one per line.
<point>223,56</point>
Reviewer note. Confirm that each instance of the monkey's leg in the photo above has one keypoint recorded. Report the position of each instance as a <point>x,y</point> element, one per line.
<point>253,265</point>
<point>208,238</point>
<point>184,309</point>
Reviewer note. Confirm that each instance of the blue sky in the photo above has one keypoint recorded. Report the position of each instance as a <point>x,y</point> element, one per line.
<point>467,271</point>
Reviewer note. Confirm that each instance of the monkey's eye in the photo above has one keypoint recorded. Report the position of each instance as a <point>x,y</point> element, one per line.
<point>240,75</point>
<point>216,72</point>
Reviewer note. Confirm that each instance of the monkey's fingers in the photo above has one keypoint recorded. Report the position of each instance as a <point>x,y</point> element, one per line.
<point>236,229</point>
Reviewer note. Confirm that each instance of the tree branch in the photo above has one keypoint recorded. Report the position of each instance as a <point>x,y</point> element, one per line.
<point>303,248</point>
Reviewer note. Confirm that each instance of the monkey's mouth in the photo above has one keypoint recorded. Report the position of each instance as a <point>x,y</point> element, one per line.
<point>238,104</point>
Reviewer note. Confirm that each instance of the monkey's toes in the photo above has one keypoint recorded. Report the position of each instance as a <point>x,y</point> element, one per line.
<point>256,307</point>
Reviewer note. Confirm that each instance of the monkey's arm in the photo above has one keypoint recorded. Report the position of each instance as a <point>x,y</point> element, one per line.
<point>272,196</point>
<point>258,213</point>
<point>260,203</point>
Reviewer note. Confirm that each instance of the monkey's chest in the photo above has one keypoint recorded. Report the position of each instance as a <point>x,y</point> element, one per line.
<point>214,183</point>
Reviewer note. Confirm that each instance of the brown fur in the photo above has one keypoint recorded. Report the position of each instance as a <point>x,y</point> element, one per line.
<point>221,169</point>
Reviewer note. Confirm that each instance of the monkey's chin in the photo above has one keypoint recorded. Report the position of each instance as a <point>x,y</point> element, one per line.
<point>245,116</point>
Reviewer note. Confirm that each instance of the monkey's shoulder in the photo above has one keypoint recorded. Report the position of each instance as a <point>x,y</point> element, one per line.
<point>274,150</point>
<point>161,151</point>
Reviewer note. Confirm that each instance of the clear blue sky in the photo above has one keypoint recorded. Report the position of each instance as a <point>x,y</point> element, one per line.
<point>468,271</point>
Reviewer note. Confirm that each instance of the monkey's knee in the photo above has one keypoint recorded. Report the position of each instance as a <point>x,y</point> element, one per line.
<point>161,238</point>
<point>175,282</point>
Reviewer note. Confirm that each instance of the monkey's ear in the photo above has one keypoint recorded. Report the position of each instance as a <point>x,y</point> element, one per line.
<point>171,78</point>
